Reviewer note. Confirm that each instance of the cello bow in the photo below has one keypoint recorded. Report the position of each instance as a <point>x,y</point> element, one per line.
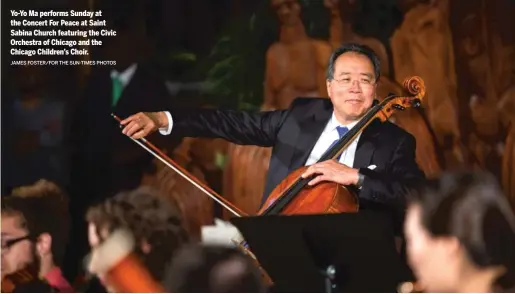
<point>147,145</point>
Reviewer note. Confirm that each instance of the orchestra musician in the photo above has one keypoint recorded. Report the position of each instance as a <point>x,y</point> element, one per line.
<point>460,234</point>
<point>35,224</point>
<point>155,223</point>
<point>380,162</point>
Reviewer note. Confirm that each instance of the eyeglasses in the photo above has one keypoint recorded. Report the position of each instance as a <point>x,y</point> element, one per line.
<point>347,82</point>
<point>8,243</point>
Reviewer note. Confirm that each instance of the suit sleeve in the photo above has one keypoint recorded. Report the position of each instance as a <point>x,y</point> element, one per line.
<point>239,127</point>
<point>391,185</point>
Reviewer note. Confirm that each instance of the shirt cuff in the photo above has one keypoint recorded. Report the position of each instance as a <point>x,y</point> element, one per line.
<point>167,130</point>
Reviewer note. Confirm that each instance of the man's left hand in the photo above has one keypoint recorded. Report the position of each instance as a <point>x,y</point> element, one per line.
<point>332,171</point>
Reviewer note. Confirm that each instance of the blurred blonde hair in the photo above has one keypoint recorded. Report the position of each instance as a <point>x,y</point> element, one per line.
<point>41,188</point>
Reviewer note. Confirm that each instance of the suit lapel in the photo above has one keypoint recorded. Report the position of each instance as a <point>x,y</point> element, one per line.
<point>310,129</point>
<point>366,145</point>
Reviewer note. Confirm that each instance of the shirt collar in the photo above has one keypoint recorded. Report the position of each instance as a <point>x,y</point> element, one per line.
<point>126,75</point>
<point>333,123</point>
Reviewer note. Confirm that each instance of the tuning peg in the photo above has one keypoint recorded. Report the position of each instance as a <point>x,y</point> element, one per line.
<point>399,107</point>
<point>416,103</point>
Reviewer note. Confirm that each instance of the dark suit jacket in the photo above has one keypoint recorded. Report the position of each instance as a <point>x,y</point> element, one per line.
<point>293,133</point>
<point>97,137</point>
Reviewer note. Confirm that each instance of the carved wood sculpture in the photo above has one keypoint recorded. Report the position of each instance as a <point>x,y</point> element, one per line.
<point>295,67</point>
<point>197,209</point>
<point>296,64</point>
<point>422,46</point>
<point>245,176</point>
<point>411,120</point>
<point>488,58</point>
<point>507,109</point>
<point>482,103</point>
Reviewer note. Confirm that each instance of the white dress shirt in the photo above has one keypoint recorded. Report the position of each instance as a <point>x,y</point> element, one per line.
<point>328,136</point>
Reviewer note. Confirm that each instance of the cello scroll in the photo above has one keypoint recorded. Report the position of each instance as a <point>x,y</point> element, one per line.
<point>415,89</point>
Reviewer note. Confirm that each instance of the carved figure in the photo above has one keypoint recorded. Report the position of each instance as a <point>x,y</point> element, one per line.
<point>422,45</point>
<point>506,107</point>
<point>296,64</point>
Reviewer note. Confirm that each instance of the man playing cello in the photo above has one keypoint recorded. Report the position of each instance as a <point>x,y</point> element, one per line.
<point>380,161</point>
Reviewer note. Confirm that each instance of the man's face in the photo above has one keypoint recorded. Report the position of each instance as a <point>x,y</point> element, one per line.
<point>17,249</point>
<point>288,11</point>
<point>353,87</point>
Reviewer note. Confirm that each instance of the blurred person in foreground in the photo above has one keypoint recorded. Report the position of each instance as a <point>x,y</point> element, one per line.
<point>104,162</point>
<point>35,224</point>
<point>460,234</point>
<point>154,221</point>
<point>212,269</point>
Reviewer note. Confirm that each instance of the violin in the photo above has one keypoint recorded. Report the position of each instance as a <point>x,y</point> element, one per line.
<point>114,259</point>
<point>292,195</point>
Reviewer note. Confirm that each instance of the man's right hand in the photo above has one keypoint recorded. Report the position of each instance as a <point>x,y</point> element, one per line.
<point>142,124</point>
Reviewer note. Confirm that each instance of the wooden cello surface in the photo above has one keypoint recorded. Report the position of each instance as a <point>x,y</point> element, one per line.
<point>325,197</point>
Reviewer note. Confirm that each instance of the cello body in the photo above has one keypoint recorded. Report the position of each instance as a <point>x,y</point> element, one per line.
<point>325,197</point>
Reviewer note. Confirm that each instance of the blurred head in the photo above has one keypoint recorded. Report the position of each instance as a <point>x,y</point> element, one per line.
<point>35,223</point>
<point>30,79</point>
<point>212,269</point>
<point>352,76</point>
<point>155,222</point>
<point>460,233</point>
<point>129,46</point>
<point>288,11</point>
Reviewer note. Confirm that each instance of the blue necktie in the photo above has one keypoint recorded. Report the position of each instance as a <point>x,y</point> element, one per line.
<point>341,131</point>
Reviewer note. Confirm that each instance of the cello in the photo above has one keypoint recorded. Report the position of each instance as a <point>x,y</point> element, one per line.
<point>292,195</point>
